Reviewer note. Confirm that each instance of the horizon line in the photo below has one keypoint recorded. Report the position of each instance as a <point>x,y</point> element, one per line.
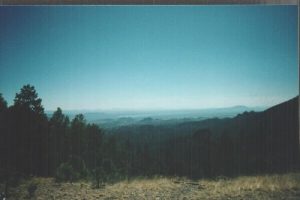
<point>155,109</point>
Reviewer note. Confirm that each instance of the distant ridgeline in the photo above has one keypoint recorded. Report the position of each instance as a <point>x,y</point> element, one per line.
<point>252,142</point>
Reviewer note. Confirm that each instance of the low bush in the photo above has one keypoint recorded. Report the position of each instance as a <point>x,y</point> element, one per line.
<point>65,172</point>
<point>31,189</point>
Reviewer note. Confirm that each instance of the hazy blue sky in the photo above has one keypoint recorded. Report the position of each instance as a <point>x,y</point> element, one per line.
<point>149,57</point>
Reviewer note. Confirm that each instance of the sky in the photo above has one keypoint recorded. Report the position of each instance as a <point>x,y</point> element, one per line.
<point>150,57</point>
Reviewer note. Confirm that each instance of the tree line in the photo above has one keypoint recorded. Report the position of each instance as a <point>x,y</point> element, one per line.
<point>33,144</point>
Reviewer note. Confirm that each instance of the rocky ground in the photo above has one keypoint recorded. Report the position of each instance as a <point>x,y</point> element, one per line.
<point>256,187</point>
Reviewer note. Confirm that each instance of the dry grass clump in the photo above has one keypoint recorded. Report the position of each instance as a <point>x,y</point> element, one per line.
<point>143,188</point>
<point>267,186</point>
<point>273,187</point>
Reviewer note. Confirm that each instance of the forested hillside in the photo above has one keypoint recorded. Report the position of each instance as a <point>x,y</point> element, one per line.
<point>32,144</point>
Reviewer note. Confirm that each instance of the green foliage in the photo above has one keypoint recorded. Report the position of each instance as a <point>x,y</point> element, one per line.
<point>78,139</point>
<point>26,128</point>
<point>65,172</point>
<point>57,118</point>
<point>58,140</point>
<point>98,175</point>
<point>28,98</point>
<point>248,143</point>
<point>79,167</point>
<point>31,189</point>
<point>3,103</point>
<point>72,170</point>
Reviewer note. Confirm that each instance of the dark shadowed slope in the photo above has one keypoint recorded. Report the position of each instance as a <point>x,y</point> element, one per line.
<point>251,142</point>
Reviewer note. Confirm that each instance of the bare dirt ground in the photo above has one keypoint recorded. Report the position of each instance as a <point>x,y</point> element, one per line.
<point>255,187</point>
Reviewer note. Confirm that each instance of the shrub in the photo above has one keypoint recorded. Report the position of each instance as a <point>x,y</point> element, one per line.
<point>31,189</point>
<point>98,176</point>
<point>65,172</point>
<point>79,167</point>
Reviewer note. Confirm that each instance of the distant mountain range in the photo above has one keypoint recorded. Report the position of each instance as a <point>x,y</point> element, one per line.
<point>120,118</point>
<point>282,117</point>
